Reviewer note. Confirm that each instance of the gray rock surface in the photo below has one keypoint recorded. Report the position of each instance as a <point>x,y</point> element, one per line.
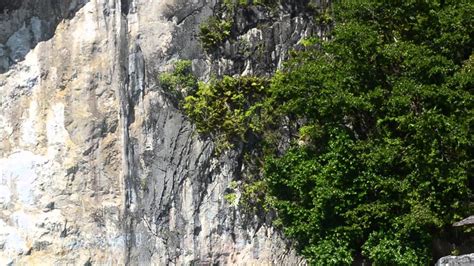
<point>463,260</point>
<point>97,163</point>
<point>469,221</point>
<point>25,23</point>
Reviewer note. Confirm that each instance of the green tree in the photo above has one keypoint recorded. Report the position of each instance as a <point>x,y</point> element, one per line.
<point>386,164</point>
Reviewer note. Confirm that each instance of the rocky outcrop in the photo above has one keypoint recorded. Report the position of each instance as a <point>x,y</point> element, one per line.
<point>462,260</point>
<point>469,221</point>
<point>97,163</point>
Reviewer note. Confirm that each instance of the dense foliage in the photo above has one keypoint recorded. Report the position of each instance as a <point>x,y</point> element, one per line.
<point>383,162</point>
<point>389,110</point>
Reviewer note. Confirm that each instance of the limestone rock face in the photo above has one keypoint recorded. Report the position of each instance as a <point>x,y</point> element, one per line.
<point>97,163</point>
<point>463,260</point>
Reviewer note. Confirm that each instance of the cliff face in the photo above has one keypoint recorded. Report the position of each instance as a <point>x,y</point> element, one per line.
<point>97,163</point>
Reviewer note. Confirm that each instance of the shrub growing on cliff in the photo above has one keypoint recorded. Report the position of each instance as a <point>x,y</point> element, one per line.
<point>214,32</point>
<point>180,80</point>
<point>225,108</point>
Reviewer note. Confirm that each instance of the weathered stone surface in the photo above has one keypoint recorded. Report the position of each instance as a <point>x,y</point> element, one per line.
<point>97,163</point>
<point>25,23</point>
<point>60,141</point>
<point>462,260</point>
<point>469,221</point>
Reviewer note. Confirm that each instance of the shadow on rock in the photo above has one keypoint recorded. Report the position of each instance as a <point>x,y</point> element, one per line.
<point>25,23</point>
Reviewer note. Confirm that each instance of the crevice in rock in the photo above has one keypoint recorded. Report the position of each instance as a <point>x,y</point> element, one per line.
<point>124,6</point>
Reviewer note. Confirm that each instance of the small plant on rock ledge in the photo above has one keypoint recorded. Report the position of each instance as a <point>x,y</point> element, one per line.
<point>231,198</point>
<point>214,32</point>
<point>181,81</point>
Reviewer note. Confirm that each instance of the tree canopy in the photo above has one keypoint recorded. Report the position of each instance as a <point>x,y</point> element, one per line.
<point>383,162</point>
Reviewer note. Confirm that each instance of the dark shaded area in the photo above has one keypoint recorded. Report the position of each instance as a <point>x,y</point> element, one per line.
<point>8,5</point>
<point>25,23</point>
<point>458,238</point>
<point>124,6</point>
